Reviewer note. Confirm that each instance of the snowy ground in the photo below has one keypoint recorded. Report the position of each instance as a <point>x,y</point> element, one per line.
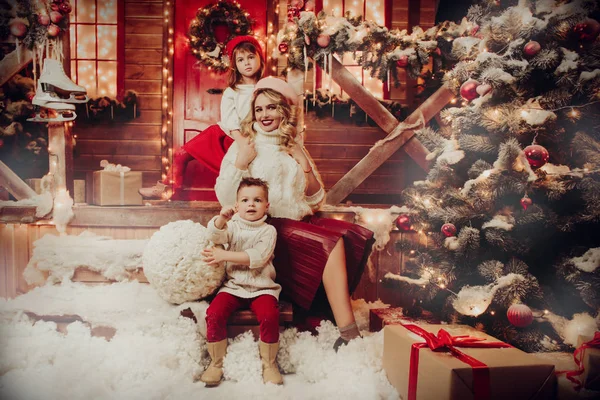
<point>155,353</point>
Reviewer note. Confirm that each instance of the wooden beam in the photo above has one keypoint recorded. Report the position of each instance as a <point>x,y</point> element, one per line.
<point>17,214</point>
<point>60,154</point>
<point>12,63</point>
<point>15,185</point>
<point>398,137</point>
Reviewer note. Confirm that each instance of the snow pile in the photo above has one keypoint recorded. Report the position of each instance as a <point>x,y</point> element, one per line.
<point>174,265</point>
<point>589,261</point>
<point>60,256</point>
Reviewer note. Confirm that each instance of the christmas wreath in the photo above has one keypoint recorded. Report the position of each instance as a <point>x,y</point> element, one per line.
<point>213,27</point>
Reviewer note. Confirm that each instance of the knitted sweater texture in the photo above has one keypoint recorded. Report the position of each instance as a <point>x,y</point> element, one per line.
<point>235,105</point>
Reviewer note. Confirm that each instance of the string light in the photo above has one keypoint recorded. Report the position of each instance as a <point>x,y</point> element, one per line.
<point>166,145</point>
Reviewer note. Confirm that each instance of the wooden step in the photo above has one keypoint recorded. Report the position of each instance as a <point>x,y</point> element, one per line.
<point>11,64</point>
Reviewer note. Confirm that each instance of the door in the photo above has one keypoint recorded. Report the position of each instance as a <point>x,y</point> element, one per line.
<point>195,105</point>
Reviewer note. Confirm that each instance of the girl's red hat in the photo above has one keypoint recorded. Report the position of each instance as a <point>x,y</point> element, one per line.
<point>231,45</point>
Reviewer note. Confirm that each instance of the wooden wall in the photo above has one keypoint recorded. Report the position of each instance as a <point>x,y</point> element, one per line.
<point>16,248</point>
<point>135,143</point>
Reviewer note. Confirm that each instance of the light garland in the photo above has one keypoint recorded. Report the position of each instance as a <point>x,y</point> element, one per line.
<point>166,142</point>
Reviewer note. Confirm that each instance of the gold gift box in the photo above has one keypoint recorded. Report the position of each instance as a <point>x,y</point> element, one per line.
<point>117,188</point>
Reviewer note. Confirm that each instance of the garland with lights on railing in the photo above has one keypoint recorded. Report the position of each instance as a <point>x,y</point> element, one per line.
<point>375,48</point>
<point>213,27</point>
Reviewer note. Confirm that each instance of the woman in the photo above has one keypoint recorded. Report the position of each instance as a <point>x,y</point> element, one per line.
<point>310,250</point>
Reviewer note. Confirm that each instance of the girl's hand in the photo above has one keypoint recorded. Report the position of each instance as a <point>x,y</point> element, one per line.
<point>246,154</point>
<point>213,255</point>
<point>297,152</point>
<point>227,212</point>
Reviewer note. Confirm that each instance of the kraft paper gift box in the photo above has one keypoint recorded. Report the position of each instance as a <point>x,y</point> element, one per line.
<point>439,375</point>
<point>113,188</point>
<point>590,357</point>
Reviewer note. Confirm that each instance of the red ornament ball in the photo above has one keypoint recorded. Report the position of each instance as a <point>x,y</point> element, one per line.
<point>448,230</point>
<point>588,30</point>
<point>283,48</point>
<point>536,155</point>
<point>402,61</point>
<point>310,5</point>
<point>526,202</point>
<point>531,49</point>
<point>403,222</point>
<point>323,40</point>
<point>44,19</point>
<point>468,90</point>
<point>55,17</point>
<point>18,29</point>
<point>65,7</point>
<point>519,315</point>
<point>53,30</point>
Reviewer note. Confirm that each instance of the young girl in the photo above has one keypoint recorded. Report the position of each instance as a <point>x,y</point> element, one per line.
<point>310,250</point>
<point>209,147</point>
<point>250,278</point>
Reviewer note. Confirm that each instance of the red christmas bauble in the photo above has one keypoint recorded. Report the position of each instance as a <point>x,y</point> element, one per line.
<point>468,90</point>
<point>519,315</point>
<point>293,12</point>
<point>536,155</point>
<point>531,49</point>
<point>64,8</point>
<point>53,30</point>
<point>448,230</point>
<point>310,5</point>
<point>526,202</point>
<point>55,17</point>
<point>323,40</point>
<point>402,61</point>
<point>18,29</point>
<point>403,222</point>
<point>588,30</point>
<point>44,19</point>
<point>283,48</point>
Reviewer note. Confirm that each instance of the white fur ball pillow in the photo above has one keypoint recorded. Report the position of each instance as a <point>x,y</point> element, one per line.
<point>173,263</point>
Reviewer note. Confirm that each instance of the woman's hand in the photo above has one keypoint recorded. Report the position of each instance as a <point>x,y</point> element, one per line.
<point>246,154</point>
<point>297,152</point>
<point>214,255</point>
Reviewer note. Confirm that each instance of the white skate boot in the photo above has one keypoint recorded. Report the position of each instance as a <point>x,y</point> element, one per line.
<point>52,112</point>
<point>54,82</point>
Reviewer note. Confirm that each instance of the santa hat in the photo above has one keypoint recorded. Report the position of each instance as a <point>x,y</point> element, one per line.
<point>278,85</point>
<point>232,44</point>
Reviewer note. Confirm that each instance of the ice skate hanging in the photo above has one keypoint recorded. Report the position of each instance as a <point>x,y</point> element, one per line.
<point>213,27</point>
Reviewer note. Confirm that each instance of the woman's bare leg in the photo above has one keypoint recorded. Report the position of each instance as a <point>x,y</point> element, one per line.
<point>335,281</point>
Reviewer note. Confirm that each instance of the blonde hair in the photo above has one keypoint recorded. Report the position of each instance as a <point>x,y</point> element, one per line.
<point>234,75</point>
<point>287,126</point>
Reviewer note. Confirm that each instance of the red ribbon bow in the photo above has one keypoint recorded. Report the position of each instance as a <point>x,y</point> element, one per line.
<point>578,357</point>
<point>446,342</point>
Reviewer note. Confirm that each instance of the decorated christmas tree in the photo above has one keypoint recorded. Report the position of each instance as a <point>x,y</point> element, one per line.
<point>511,206</point>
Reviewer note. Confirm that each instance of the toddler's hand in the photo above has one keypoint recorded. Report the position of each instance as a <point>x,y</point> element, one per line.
<point>213,255</point>
<point>227,212</point>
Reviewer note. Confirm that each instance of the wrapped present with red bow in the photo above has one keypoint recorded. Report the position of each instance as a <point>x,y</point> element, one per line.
<point>587,359</point>
<point>380,317</point>
<point>458,362</point>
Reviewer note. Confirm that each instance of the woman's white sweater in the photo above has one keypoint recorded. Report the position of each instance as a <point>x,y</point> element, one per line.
<point>273,164</point>
<point>257,239</point>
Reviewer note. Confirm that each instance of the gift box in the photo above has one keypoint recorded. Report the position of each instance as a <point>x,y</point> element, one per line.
<point>590,361</point>
<point>440,362</point>
<point>380,317</point>
<point>112,188</point>
<point>78,188</point>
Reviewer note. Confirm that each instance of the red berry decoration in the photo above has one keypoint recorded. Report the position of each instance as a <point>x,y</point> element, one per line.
<point>468,90</point>
<point>323,40</point>
<point>526,202</point>
<point>519,315</point>
<point>53,30</point>
<point>402,61</point>
<point>536,155</point>
<point>449,230</point>
<point>283,48</point>
<point>55,17</point>
<point>18,29</point>
<point>588,30</point>
<point>64,8</point>
<point>44,19</point>
<point>531,49</point>
<point>403,222</point>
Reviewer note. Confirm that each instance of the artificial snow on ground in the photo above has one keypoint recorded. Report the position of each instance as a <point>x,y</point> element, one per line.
<point>155,353</point>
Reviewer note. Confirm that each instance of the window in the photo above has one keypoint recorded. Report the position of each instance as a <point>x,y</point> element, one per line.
<point>372,10</point>
<point>94,46</point>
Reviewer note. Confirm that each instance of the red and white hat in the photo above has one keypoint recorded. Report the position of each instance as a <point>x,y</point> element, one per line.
<point>231,45</point>
<point>278,85</point>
